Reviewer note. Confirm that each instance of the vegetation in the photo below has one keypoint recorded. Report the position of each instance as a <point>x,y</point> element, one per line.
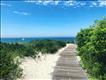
<point>92,49</point>
<point>47,46</point>
<point>9,67</point>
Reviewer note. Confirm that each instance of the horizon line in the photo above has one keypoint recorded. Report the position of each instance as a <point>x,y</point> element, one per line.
<point>40,37</point>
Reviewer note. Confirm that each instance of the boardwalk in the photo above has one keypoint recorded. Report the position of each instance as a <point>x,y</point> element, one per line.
<point>68,67</point>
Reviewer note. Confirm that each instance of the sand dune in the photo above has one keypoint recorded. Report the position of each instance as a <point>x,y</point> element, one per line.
<point>39,69</point>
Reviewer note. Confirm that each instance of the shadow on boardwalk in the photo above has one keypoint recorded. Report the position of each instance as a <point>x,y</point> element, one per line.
<point>68,67</point>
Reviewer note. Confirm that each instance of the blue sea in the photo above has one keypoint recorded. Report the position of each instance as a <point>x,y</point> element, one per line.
<point>12,40</point>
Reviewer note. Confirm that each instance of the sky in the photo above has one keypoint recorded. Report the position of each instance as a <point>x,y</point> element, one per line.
<point>48,18</point>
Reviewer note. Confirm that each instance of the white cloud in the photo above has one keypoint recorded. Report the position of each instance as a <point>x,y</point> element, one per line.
<point>102,3</point>
<point>82,3</point>
<point>21,13</point>
<point>69,3</point>
<point>44,2</point>
<point>31,1</point>
<point>74,3</point>
<point>47,2</point>
<point>57,2</point>
<point>3,4</point>
<point>99,3</point>
<point>94,3</point>
<point>39,1</point>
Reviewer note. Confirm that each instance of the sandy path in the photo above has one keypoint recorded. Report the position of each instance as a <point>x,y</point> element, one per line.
<point>41,69</point>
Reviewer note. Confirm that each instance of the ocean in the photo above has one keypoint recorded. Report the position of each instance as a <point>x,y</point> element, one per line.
<point>12,40</point>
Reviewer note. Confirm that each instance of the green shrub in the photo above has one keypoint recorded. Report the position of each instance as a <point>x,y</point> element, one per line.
<point>9,69</point>
<point>47,46</point>
<point>92,49</point>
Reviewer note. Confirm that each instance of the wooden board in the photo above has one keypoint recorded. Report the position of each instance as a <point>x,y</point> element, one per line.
<point>68,67</point>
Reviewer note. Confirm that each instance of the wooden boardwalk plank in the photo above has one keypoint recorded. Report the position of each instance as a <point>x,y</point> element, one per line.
<point>68,67</point>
